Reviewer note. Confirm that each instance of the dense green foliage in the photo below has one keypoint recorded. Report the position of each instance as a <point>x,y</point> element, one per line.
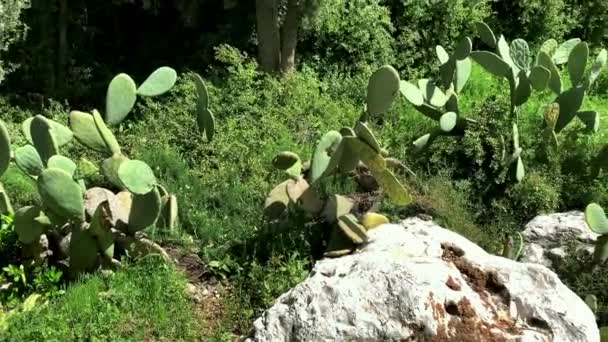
<point>212,144</point>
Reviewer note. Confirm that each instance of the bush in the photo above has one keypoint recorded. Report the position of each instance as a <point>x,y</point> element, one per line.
<point>533,20</point>
<point>421,25</point>
<point>349,34</point>
<point>588,20</point>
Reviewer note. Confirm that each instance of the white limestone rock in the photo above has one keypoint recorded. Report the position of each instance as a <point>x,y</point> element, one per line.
<point>416,281</point>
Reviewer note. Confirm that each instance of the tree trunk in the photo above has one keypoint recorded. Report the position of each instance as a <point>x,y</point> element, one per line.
<point>62,48</point>
<point>289,35</point>
<point>267,22</point>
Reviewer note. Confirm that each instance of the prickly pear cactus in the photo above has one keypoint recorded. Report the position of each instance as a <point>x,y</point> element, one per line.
<point>595,217</point>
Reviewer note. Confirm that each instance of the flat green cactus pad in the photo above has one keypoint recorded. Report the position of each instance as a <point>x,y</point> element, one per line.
<point>107,136</point>
<point>63,163</point>
<point>109,168</point>
<point>595,217</point>
<point>322,154</point>
<point>43,138</point>
<point>28,160</point>
<point>136,176</point>
<point>61,194</point>
<point>28,229</point>
<point>159,82</point>
<point>288,162</point>
<point>382,89</point>
<point>120,98</point>
<point>145,210</point>
<point>85,131</point>
<point>277,201</point>
<point>61,133</point>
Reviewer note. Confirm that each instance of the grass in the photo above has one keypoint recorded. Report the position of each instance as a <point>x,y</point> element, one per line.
<point>146,301</point>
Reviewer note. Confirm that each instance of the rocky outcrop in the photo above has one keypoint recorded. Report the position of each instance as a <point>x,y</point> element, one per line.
<point>547,236</point>
<point>416,281</point>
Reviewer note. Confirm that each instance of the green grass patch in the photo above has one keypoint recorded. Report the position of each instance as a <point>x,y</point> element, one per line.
<point>145,301</point>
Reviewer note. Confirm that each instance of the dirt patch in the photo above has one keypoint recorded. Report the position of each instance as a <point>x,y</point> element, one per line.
<point>205,291</point>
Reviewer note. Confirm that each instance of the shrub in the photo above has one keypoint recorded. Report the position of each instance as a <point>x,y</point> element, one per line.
<point>588,20</point>
<point>348,34</point>
<point>532,20</point>
<point>421,25</point>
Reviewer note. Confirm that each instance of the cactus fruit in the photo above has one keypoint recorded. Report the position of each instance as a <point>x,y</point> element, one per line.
<point>86,132</point>
<point>322,155</point>
<point>158,83</point>
<point>43,138</point>
<point>351,227</point>
<point>61,194</point>
<point>28,160</point>
<point>382,89</point>
<point>288,162</point>
<point>28,229</point>
<point>595,217</point>
<point>136,176</point>
<point>110,140</point>
<point>62,163</point>
<point>373,220</point>
<point>120,98</point>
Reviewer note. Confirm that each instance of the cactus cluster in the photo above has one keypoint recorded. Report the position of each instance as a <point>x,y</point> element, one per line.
<point>342,152</point>
<point>80,226</point>
<point>514,62</point>
<point>438,100</point>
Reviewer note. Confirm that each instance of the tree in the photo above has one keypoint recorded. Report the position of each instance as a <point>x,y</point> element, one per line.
<point>11,27</point>
<point>277,42</point>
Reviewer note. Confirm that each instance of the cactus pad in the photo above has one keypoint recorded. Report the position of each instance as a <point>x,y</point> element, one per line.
<point>570,102</point>
<point>442,55</point>
<point>492,63</point>
<point>206,122</point>
<point>43,138</point>
<point>203,94</point>
<point>486,34</point>
<point>101,229</point>
<point>595,217</point>
<point>61,133</point>
<point>277,201</point>
<point>28,229</point>
<point>109,168</point>
<point>365,134</point>
<point>336,206</point>
<point>463,49</point>
<point>411,93</point>
<point>61,194</point>
<point>577,63</point>
<point>549,46</point>
<point>168,218</point>
<point>338,245</point>
<point>350,226</point>
<point>136,176</point>
<point>63,163</point>
<point>591,120</point>
<point>120,98</point>
<point>563,51</point>
<point>288,162</point>
<point>107,136</point>
<point>28,160</point>
<point>520,54</point>
<point>551,115</point>
<point>598,66</point>
<point>555,83</point>
<point>463,72</point>
<point>82,250</point>
<point>322,154</point>
<point>145,210</point>
<point>86,131</point>
<point>382,89</point>
<point>539,77</point>
<point>158,83</point>
<point>448,121</point>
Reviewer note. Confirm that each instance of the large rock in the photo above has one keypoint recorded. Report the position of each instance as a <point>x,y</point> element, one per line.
<point>547,236</point>
<point>419,282</point>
